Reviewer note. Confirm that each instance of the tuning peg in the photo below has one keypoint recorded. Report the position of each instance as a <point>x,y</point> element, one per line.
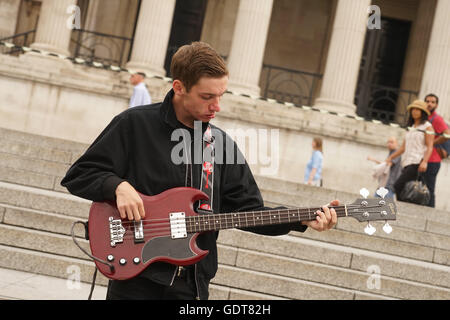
<point>369,229</point>
<point>364,193</point>
<point>387,228</point>
<point>382,192</point>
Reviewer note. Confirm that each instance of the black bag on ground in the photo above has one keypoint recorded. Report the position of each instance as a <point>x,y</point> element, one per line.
<point>416,191</point>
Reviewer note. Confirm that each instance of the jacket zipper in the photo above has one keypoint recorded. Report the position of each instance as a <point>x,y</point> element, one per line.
<point>173,277</point>
<point>196,283</point>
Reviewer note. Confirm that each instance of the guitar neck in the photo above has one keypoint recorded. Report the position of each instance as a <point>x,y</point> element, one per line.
<point>215,222</point>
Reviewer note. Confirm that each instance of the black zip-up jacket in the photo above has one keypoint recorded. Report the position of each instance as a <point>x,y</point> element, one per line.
<point>136,147</point>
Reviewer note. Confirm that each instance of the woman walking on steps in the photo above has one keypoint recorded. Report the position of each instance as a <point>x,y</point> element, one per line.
<point>417,146</point>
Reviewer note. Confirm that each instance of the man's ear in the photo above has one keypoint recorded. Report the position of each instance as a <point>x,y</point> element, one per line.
<point>178,87</point>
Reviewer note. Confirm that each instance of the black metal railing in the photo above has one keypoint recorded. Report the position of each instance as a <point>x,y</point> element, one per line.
<point>383,103</point>
<point>100,47</point>
<point>288,85</point>
<point>24,39</point>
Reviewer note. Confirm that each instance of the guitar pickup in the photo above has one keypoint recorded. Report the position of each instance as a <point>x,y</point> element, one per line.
<point>177,225</point>
<point>138,232</point>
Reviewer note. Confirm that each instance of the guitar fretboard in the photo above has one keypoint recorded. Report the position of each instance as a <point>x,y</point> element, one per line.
<point>215,222</point>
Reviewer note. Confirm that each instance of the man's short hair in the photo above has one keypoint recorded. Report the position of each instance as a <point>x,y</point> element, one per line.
<point>432,95</point>
<point>199,59</point>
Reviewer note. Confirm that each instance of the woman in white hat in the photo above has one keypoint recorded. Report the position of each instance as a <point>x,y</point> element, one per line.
<point>417,146</point>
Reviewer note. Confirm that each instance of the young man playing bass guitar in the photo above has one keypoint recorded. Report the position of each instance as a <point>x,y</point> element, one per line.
<point>134,154</point>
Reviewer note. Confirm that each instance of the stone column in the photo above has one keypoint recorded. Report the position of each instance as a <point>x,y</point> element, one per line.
<point>152,36</point>
<point>53,34</point>
<point>436,75</point>
<point>248,45</point>
<point>416,55</point>
<point>344,57</point>
<point>9,10</point>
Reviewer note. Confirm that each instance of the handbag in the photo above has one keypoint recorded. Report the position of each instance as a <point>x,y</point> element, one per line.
<point>416,191</point>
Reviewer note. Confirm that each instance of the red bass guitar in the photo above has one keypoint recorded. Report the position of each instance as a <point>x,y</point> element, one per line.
<point>124,248</point>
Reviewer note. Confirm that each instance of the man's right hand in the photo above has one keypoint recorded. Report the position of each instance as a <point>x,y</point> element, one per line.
<point>129,202</point>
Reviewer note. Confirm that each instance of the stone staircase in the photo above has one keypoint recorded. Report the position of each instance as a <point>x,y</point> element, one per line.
<point>36,216</point>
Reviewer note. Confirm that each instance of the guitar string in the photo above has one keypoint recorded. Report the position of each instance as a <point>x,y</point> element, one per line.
<point>192,224</point>
<point>239,216</point>
<point>202,225</point>
<point>206,218</point>
<point>281,211</point>
<point>233,217</point>
<point>248,212</point>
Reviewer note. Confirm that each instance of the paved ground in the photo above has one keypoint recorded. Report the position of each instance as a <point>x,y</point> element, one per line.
<point>29,286</point>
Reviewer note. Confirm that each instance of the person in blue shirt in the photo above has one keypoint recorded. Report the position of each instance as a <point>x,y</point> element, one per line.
<point>313,172</point>
<point>140,96</point>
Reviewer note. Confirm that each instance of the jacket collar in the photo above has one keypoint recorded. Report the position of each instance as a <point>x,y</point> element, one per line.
<point>168,112</point>
<point>169,116</point>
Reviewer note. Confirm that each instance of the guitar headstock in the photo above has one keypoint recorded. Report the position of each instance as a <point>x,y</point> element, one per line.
<point>375,209</point>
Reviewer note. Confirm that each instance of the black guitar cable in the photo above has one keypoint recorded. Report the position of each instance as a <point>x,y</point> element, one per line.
<point>111,267</point>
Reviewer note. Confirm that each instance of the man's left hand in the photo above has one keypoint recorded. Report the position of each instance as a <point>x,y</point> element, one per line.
<point>325,220</point>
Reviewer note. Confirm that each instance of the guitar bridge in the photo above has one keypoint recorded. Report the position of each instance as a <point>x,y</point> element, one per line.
<point>116,231</point>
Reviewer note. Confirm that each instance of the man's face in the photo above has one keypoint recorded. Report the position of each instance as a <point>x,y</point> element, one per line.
<point>202,101</point>
<point>431,103</point>
<point>135,79</point>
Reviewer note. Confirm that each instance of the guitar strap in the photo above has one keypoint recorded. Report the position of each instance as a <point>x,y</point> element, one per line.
<point>207,179</point>
<point>207,176</point>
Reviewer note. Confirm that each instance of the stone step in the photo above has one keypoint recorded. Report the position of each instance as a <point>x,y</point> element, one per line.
<point>46,174</point>
<point>43,200</point>
<point>42,162</point>
<point>338,277</point>
<point>54,150</point>
<point>62,245</point>
<point>37,151</point>
<point>36,225</point>
<point>31,179</point>
<point>19,285</point>
<point>65,268</point>
<point>61,224</point>
<point>413,244</point>
<point>298,194</point>
<point>285,287</point>
<point>401,242</point>
<point>23,141</point>
<point>331,255</point>
<point>40,220</point>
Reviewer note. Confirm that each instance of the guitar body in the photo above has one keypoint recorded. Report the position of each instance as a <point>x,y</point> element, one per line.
<point>113,239</point>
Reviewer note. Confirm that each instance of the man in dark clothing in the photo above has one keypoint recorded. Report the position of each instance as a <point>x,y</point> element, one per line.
<point>434,163</point>
<point>135,152</point>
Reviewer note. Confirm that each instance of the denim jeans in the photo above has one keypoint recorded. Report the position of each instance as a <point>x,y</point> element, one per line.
<point>430,179</point>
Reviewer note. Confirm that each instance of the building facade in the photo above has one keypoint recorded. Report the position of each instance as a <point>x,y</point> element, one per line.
<point>353,57</point>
